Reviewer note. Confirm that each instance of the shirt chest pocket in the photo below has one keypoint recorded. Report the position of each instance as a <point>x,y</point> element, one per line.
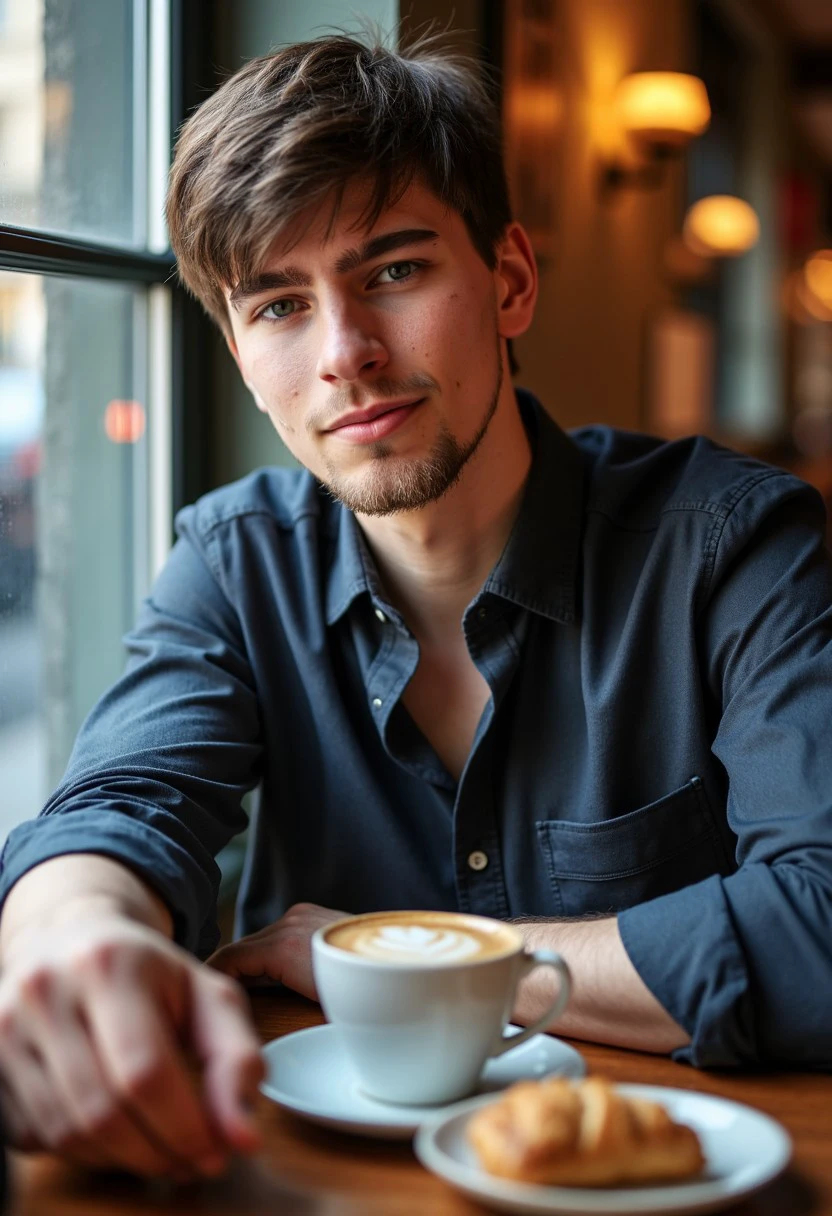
<point>617,863</point>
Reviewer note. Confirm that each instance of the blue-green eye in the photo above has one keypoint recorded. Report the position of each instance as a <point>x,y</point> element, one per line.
<point>399,270</point>
<point>278,310</point>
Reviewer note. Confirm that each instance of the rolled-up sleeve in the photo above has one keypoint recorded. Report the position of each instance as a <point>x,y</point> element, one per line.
<point>160,766</point>
<point>744,962</point>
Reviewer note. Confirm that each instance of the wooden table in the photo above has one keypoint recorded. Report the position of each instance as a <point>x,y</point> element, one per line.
<point>309,1171</point>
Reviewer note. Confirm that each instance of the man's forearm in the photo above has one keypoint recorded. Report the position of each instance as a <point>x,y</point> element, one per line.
<point>73,885</point>
<point>610,1003</point>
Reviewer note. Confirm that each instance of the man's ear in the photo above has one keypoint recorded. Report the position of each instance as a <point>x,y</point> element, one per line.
<point>516,279</point>
<point>235,355</point>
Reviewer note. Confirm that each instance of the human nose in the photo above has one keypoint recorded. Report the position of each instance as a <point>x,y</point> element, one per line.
<point>350,346</point>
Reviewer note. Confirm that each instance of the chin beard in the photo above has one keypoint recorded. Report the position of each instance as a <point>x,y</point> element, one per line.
<point>395,484</point>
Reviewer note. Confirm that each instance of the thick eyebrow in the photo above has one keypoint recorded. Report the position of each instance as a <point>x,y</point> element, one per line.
<point>377,246</point>
<point>270,280</point>
<point>292,276</point>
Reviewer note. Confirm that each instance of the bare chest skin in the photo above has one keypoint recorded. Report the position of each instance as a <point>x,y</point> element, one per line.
<point>445,698</point>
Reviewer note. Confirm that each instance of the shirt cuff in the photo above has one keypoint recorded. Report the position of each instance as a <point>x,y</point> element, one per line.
<point>166,867</point>
<point>684,947</point>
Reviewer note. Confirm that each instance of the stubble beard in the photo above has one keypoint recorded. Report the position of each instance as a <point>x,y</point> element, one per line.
<point>394,484</point>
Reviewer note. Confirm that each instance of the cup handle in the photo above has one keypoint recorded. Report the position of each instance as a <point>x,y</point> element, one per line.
<point>532,959</point>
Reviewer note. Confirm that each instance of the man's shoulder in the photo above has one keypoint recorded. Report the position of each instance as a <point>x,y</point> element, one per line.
<point>280,497</point>
<point>636,478</point>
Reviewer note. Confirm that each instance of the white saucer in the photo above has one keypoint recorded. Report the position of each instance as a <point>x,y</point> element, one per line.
<point>308,1073</point>
<point>744,1150</point>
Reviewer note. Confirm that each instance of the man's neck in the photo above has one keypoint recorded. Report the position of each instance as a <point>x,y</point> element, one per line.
<point>433,561</point>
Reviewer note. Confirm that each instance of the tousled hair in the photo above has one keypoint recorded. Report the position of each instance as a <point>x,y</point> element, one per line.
<point>294,128</point>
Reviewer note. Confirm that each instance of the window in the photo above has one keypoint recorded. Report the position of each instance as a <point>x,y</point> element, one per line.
<point>85,361</point>
<point>74,107</point>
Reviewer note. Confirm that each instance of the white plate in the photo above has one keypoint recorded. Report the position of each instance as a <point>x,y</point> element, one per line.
<point>308,1073</point>
<point>743,1150</point>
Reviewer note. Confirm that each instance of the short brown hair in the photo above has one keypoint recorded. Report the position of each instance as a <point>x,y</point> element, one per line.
<point>290,127</point>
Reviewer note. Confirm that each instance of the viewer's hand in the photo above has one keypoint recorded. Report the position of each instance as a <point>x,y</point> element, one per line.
<point>281,951</point>
<point>101,1022</point>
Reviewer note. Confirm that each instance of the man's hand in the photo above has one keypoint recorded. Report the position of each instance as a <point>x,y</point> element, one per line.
<point>102,1021</point>
<point>281,951</point>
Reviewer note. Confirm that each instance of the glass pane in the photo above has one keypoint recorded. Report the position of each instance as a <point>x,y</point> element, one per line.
<point>73,514</point>
<point>68,111</point>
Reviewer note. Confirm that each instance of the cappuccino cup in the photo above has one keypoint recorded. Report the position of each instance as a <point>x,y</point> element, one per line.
<point>421,1000</point>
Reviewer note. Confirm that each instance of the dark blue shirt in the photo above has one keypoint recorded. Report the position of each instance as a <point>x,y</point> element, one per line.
<point>658,741</point>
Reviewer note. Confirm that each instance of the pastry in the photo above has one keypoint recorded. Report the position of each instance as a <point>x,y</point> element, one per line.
<point>583,1133</point>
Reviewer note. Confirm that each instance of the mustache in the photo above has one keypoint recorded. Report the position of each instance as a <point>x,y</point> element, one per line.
<point>355,398</point>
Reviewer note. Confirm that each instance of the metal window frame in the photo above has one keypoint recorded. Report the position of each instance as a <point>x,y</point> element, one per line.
<point>33,252</point>
<point>193,335</point>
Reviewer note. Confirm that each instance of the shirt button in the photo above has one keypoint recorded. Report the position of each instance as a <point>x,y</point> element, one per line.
<point>381,616</point>
<point>477,860</point>
<point>482,613</point>
<point>377,702</point>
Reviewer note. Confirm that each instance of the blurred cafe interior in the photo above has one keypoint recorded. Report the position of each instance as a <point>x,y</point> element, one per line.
<point>671,159</point>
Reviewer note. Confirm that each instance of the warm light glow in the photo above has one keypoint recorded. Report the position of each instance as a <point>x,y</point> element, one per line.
<point>124,421</point>
<point>809,307</point>
<point>537,106</point>
<point>663,107</point>
<point>721,226</point>
<point>601,63</point>
<point>818,275</point>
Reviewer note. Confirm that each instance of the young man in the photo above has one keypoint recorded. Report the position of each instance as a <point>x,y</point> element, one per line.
<point>584,682</point>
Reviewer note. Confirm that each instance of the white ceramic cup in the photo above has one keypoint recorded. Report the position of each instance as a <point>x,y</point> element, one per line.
<point>420,1032</point>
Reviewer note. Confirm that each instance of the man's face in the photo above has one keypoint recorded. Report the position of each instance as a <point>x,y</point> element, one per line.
<point>375,353</point>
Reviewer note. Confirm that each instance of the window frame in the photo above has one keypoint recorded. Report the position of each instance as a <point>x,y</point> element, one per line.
<point>180,37</point>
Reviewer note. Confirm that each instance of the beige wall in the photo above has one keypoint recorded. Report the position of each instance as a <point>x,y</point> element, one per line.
<point>585,353</point>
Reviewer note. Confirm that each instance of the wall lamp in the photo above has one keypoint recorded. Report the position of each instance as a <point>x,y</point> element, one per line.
<point>661,112</point>
<point>809,289</point>
<point>721,226</point>
<point>817,275</point>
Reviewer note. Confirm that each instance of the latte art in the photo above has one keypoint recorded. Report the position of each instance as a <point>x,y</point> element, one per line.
<point>423,938</point>
<point>417,942</point>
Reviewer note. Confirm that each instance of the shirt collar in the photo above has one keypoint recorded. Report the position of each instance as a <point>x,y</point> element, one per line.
<point>538,567</point>
<point>352,571</point>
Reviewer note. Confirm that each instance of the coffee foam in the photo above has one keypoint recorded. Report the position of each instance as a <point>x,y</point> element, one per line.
<point>416,942</point>
<point>428,941</point>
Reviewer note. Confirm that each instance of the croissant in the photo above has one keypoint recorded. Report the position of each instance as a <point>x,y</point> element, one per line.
<point>581,1134</point>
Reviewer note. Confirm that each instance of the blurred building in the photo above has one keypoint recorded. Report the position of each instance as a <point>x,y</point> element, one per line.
<point>22,737</point>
